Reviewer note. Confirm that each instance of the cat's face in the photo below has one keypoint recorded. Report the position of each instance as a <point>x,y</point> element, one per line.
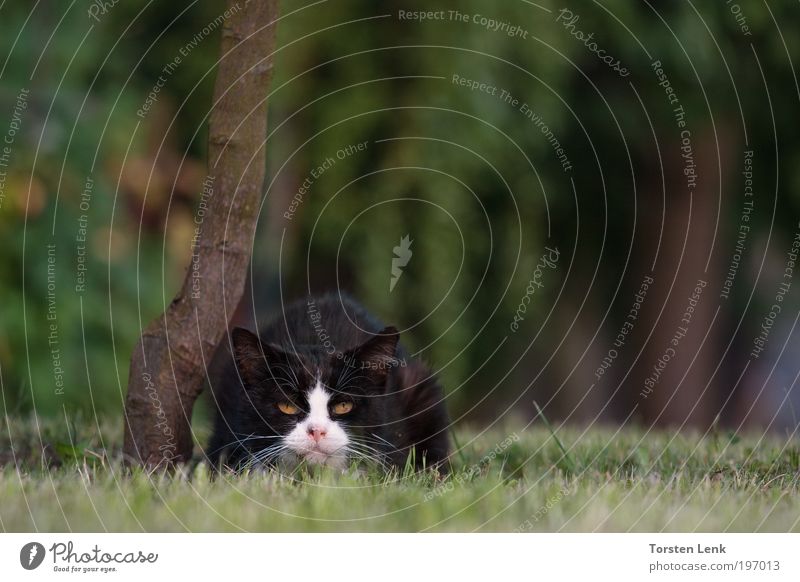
<point>310,406</point>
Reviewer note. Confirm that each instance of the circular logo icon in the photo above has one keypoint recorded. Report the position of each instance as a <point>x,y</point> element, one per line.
<point>31,555</point>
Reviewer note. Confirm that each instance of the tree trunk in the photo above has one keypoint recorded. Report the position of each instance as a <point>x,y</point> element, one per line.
<point>168,364</point>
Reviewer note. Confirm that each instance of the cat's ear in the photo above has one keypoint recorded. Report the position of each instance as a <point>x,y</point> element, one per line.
<point>253,356</point>
<point>377,355</point>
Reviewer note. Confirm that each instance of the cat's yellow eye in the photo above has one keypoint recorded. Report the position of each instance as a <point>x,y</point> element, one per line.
<point>342,407</point>
<point>288,408</point>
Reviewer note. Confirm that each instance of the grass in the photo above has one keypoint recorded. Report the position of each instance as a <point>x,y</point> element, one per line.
<point>60,478</point>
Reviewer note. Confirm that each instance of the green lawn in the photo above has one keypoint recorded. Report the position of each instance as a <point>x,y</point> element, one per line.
<point>504,480</point>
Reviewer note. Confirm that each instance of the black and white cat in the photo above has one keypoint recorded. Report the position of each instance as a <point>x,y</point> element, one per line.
<point>326,384</point>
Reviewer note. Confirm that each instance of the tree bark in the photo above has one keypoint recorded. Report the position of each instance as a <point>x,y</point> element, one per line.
<point>167,371</point>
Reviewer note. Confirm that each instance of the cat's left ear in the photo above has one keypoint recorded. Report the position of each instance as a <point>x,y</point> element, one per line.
<point>377,355</point>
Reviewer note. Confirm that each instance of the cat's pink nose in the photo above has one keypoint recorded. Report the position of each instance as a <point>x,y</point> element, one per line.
<point>317,433</point>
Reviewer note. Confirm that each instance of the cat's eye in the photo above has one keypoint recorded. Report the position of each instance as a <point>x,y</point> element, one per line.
<point>288,408</point>
<point>342,407</point>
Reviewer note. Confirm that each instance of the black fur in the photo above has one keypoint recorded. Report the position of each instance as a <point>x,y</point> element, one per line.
<point>399,405</point>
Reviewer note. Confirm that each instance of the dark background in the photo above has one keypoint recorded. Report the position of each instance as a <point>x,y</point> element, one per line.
<point>476,185</point>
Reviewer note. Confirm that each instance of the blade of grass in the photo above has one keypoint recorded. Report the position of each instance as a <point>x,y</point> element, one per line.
<point>461,456</point>
<point>569,464</point>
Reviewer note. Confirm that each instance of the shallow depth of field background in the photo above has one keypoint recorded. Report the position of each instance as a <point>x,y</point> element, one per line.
<point>475,183</point>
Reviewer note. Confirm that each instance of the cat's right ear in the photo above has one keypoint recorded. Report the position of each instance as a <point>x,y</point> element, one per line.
<point>252,357</point>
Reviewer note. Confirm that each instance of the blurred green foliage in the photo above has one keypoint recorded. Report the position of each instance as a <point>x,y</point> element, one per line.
<point>464,173</point>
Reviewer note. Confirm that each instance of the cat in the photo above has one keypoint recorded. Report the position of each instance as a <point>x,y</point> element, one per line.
<point>326,383</point>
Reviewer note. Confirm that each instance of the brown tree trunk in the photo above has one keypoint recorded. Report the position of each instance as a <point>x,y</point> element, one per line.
<point>168,364</point>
